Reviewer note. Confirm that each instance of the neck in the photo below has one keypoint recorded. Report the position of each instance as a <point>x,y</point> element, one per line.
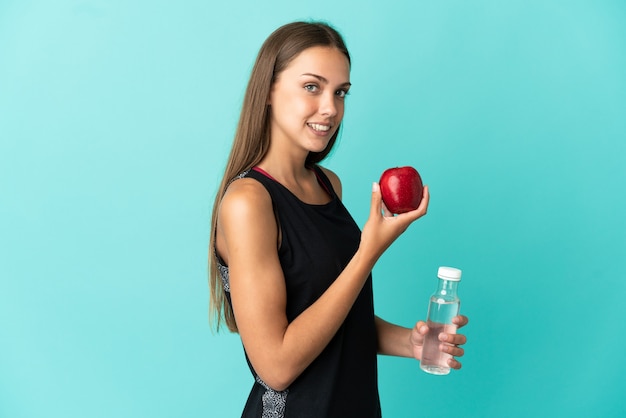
<point>284,168</point>
<point>300,180</point>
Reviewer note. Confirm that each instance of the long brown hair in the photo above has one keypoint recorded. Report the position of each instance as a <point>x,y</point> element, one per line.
<point>252,138</point>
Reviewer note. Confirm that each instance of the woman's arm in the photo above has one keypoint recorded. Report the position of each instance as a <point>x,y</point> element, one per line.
<point>394,340</point>
<point>247,237</point>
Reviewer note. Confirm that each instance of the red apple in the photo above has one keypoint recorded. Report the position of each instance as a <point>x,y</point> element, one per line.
<point>401,189</point>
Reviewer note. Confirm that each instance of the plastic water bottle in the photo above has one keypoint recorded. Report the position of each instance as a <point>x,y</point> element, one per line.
<point>444,305</point>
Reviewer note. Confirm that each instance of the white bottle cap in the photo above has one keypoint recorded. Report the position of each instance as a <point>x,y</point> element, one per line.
<point>449,273</point>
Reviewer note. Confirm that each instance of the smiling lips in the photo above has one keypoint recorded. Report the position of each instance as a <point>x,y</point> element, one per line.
<point>318,127</point>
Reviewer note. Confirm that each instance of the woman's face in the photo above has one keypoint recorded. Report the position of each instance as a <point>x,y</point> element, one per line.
<point>307,100</point>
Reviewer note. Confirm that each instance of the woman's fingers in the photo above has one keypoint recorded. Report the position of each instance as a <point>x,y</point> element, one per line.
<point>460,321</point>
<point>454,363</point>
<point>453,350</point>
<point>456,339</point>
<point>382,228</point>
<point>376,201</point>
<point>425,200</point>
<point>386,212</point>
<point>421,327</point>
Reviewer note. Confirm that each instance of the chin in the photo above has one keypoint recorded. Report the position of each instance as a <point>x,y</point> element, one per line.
<point>319,144</point>
<point>318,149</point>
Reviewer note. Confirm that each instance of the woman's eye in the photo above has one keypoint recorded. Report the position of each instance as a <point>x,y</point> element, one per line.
<point>310,88</point>
<point>341,93</point>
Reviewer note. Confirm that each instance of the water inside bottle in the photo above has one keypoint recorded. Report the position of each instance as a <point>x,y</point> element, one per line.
<point>440,315</point>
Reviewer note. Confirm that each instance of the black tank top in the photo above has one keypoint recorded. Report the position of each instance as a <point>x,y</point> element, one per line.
<point>317,243</point>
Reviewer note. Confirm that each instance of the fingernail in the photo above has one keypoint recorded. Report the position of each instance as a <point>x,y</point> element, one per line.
<point>375,187</point>
<point>443,337</point>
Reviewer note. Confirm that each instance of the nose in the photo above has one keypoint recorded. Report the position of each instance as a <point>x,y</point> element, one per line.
<point>328,105</point>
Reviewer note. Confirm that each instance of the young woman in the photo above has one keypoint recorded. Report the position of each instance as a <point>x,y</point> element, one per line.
<point>290,269</point>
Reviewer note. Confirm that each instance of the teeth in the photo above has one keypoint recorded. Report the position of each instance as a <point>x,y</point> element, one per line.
<point>319,127</point>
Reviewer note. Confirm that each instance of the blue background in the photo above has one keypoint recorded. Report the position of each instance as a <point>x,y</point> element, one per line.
<point>116,118</point>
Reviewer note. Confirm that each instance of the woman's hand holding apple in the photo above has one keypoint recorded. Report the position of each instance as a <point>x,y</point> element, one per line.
<point>382,229</point>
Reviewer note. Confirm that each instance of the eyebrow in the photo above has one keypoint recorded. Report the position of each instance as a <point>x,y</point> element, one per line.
<point>324,79</point>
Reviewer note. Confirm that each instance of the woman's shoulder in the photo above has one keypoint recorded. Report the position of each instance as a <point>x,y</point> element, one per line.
<point>245,194</point>
<point>333,178</point>
<point>245,220</point>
